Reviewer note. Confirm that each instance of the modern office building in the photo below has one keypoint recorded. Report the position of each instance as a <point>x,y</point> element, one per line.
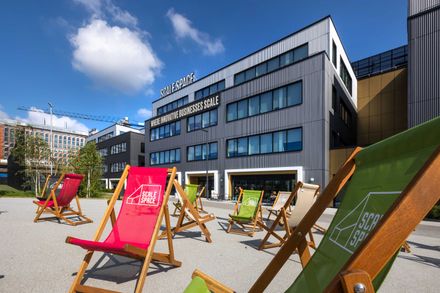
<point>263,121</point>
<point>119,145</point>
<point>424,60</point>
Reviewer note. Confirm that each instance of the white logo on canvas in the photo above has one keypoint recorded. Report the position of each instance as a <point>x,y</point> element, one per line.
<point>251,202</point>
<point>360,229</point>
<point>146,194</point>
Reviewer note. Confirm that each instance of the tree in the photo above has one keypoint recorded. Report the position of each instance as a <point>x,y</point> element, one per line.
<point>32,154</point>
<point>88,161</point>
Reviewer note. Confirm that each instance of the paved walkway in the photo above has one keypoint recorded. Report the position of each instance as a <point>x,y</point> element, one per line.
<point>35,258</point>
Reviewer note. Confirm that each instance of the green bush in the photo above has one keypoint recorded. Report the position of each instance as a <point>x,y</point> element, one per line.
<point>434,213</point>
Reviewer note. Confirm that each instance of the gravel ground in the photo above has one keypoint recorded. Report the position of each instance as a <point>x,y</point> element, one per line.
<point>35,258</point>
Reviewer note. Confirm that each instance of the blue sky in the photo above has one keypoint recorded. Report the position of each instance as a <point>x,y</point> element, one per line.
<point>109,57</point>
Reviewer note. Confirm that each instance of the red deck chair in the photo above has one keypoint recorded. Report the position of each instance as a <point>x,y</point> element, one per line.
<point>136,229</point>
<point>59,205</point>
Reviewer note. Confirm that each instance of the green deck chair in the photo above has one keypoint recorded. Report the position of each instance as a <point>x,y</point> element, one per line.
<point>387,189</point>
<point>193,195</point>
<point>247,212</point>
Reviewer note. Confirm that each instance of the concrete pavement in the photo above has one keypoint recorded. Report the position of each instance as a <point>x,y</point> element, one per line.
<point>35,258</point>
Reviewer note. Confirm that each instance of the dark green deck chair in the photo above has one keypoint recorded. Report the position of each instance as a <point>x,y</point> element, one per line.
<point>387,189</point>
<point>247,212</point>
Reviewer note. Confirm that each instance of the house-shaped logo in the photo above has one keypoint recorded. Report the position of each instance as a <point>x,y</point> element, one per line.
<point>350,232</point>
<point>146,195</point>
<point>251,202</point>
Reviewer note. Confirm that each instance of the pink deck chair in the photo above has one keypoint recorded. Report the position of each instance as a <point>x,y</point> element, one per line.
<point>135,231</point>
<point>59,205</point>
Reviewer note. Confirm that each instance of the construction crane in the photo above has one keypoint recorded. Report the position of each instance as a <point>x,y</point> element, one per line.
<point>101,118</point>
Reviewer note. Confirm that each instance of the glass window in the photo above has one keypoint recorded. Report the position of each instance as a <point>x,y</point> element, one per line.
<point>190,125</point>
<point>205,119</point>
<point>198,95</point>
<point>172,156</point>
<point>198,152</point>
<point>266,102</point>
<point>279,141</point>
<point>261,69</point>
<point>279,98</point>
<point>204,152</point>
<point>231,151</point>
<point>273,64</point>
<point>167,157</point>
<point>197,121</point>
<point>213,89</point>
<point>254,145</point>
<point>177,155</point>
<point>221,85</point>
<point>213,151</point>
<point>250,73</point>
<point>206,92</point>
<point>300,52</point>
<point>254,106</point>
<point>294,94</point>
<point>334,54</point>
<point>286,58</point>
<point>242,109</point>
<point>242,146</point>
<point>232,112</point>
<point>213,117</point>
<point>190,155</point>
<point>239,78</point>
<point>294,139</point>
<point>167,130</point>
<point>266,143</point>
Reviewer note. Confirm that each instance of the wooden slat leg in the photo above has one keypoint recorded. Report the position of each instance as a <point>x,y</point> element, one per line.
<point>81,271</point>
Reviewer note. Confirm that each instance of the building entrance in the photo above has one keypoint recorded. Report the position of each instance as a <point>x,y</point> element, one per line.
<point>270,183</point>
<point>201,181</point>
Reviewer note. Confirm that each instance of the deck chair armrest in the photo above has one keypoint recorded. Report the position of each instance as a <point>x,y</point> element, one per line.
<point>112,215</point>
<point>213,285</point>
<point>353,280</point>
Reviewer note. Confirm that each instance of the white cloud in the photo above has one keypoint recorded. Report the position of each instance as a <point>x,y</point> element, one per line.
<point>114,57</point>
<point>42,118</point>
<point>102,9</point>
<point>3,115</point>
<point>144,113</point>
<point>183,29</point>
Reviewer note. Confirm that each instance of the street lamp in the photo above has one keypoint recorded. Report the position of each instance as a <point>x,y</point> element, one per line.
<point>51,137</point>
<point>206,159</point>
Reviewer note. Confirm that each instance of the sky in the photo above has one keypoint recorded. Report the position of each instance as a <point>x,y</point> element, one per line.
<point>112,57</point>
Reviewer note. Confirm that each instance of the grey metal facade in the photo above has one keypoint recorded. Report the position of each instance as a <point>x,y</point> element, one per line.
<point>424,61</point>
<point>315,115</point>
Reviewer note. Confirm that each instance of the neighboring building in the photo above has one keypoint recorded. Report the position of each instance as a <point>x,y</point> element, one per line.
<point>382,95</point>
<point>65,141</point>
<point>111,131</point>
<point>125,146</point>
<point>270,118</point>
<point>424,60</point>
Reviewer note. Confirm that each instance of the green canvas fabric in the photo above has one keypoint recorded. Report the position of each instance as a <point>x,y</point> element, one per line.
<point>248,206</point>
<point>191,192</point>
<point>197,285</point>
<point>383,170</point>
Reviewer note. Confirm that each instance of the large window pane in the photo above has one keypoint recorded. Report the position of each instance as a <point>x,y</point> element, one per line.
<point>213,150</point>
<point>254,106</point>
<point>294,139</point>
<point>279,141</point>
<point>177,155</point>
<point>198,152</point>
<point>221,85</point>
<point>167,157</point>
<point>231,148</point>
<point>172,156</point>
<point>273,64</point>
<point>213,117</point>
<point>266,143</point>
<point>294,94</point>
<point>300,52</point>
<point>167,130</point>
<point>242,109</point>
<point>279,98</point>
<point>204,152</point>
<point>286,58</point>
<point>177,127</point>
<point>261,69</point>
<point>190,155</point>
<point>198,121</point>
<point>198,95</point>
<point>205,92</point>
<point>232,112</point>
<point>190,122</point>
<point>266,102</point>
<point>205,119</point>
<point>213,89</point>
<point>254,145</point>
<point>242,146</point>
<point>250,73</point>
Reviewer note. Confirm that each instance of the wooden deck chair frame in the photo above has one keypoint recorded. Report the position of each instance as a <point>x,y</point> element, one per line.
<point>413,204</point>
<point>41,196</point>
<point>189,211</point>
<point>282,217</point>
<point>178,204</point>
<point>276,212</point>
<point>60,213</point>
<point>252,225</point>
<point>146,255</point>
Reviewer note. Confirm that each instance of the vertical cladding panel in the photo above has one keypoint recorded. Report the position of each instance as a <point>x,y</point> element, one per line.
<point>424,65</point>
<point>418,6</point>
<point>308,115</point>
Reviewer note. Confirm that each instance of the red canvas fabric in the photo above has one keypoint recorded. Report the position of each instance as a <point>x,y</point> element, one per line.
<point>69,190</point>
<point>143,199</point>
